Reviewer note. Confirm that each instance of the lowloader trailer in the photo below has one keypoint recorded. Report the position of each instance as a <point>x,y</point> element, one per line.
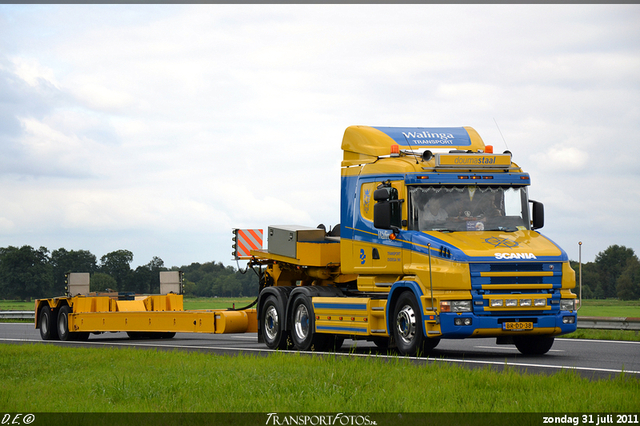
<point>437,240</point>
<point>80,313</point>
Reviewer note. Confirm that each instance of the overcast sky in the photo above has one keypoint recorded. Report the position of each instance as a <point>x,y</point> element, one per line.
<point>159,128</point>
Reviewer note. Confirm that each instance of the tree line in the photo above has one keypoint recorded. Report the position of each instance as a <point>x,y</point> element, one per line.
<point>27,273</point>
<point>615,273</point>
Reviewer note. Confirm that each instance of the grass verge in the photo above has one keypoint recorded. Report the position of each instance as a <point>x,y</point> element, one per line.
<point>584,333</point>
<point>47,378</point>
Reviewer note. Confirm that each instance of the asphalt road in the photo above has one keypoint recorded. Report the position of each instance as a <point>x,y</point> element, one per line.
<point>594,359</point>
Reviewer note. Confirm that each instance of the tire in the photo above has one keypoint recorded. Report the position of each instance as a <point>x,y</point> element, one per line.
<point>533,345</point>
<point>407,325</point>
<point>303,332</point>
<point>272,322</point>
<point>48,326</point>
<point>63,323</point>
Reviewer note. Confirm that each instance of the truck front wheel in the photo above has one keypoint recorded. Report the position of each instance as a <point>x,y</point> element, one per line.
<point>533,345</point>
<point>272,320</point>
<point>407,325</point>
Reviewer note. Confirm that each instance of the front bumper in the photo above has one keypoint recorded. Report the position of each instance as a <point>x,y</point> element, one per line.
<point>494,325</point>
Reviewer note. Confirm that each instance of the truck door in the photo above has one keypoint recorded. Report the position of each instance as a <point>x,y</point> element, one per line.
<point>373,251</point>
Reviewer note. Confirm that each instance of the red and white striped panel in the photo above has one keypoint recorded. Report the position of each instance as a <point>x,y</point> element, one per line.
<point>248,239</point>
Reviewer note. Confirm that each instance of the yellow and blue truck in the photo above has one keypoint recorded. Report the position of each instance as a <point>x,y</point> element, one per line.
<point>437,240</point>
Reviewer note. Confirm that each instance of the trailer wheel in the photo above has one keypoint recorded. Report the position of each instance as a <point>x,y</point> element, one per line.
<point>272,320</point>
<point>48,330</point>
<point>533,345</point>
<point>303,326</point>
<point>63,323</point>
<point>407,325</point>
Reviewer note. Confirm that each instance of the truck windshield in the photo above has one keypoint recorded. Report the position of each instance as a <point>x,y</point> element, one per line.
<point>468,208</point>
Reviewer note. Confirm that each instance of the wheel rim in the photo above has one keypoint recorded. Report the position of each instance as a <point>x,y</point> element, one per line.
<point>301,321</point>
<point>271,323</point>
<point>406,324</point>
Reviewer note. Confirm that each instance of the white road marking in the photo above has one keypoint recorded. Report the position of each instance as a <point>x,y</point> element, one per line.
<point>511,348</point>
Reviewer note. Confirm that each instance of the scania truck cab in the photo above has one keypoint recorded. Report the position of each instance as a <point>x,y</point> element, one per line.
<point>440,226</point>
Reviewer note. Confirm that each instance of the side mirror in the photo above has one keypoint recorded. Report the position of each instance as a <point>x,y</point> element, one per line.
<point>382,214</point>
<point>386,211</point>
<point>382,194</point>
<point>538,214</point>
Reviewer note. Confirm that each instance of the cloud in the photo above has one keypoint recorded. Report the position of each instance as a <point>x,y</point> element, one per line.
<point>164,126</point>
<point>561,159</point>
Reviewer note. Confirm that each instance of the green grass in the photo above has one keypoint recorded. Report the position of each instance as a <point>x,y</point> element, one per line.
<point>584,333</point>
<point>16,305</point>
<point>47,378</point>
<point>610,308</point>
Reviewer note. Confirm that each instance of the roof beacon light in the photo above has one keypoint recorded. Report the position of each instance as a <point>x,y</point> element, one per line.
<point>488,149</point>
<point>395,150</point>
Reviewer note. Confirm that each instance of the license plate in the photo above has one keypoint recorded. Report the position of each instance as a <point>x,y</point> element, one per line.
<point>515,326</point>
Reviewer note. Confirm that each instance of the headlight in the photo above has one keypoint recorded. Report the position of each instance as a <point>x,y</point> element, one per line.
<point>455,306</point>
<point>511,303</point>
<point>525,302</point>
<point>540,302</point>
<point>567,304</point>
<point>496,303</point>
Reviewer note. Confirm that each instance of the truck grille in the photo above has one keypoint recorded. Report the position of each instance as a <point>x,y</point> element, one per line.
<point>518,276</point>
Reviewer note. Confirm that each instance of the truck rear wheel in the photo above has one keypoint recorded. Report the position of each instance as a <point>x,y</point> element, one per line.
<point>533,345</point>
<point>48,330</point>
<point>272,320</point>
<point>63,323</point>
<point>303,332</point>
<point>407,325</point>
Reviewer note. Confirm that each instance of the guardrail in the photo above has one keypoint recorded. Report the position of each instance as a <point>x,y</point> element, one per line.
<point>615,323</point>
<point>17,315</point>
<point>599,323</point>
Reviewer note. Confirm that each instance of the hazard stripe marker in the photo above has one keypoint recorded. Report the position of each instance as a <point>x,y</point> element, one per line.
<point>247,240</point>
